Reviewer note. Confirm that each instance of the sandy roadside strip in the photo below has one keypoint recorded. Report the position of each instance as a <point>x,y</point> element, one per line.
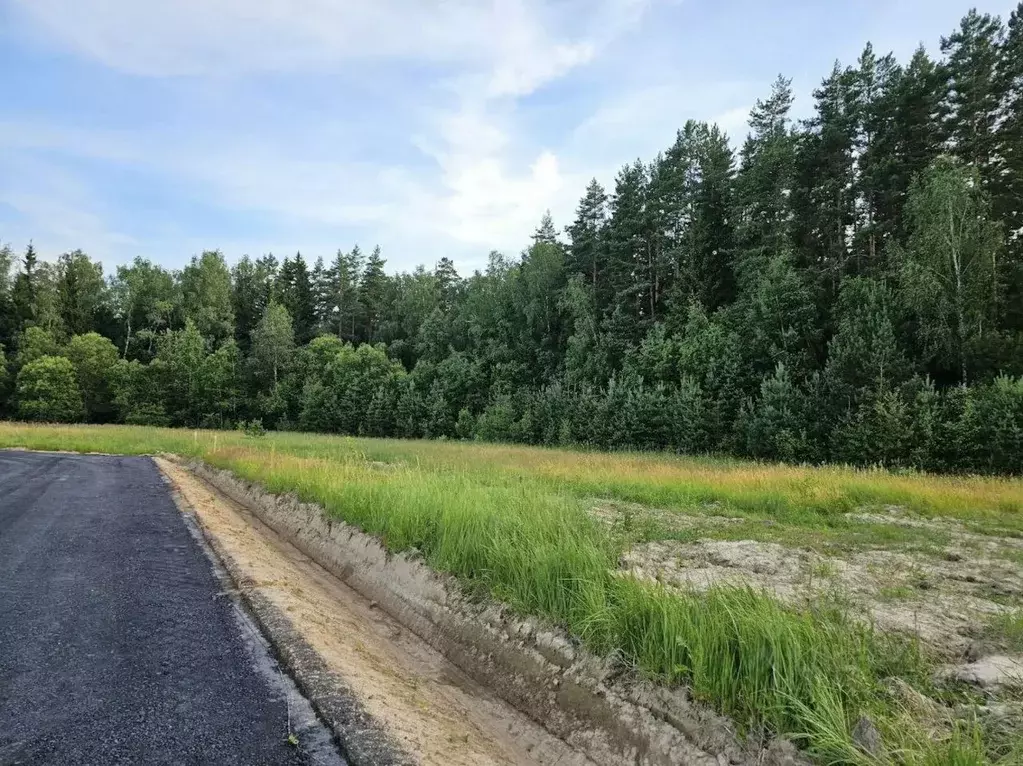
<point>429,708</point>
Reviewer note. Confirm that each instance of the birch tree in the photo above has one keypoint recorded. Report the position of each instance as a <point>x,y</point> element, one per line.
<point>949,266</point>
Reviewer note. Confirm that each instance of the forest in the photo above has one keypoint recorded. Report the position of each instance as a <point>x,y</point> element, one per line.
<point>846,287</point>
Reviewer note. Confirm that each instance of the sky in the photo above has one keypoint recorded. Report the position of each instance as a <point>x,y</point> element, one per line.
<point>430,127</point>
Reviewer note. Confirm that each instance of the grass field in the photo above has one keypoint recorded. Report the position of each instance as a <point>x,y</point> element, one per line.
<point>519,523</point>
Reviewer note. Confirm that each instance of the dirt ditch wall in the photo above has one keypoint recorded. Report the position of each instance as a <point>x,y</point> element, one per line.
<point>612,717</point>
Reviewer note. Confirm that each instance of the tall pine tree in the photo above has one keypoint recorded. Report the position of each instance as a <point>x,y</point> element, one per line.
<point>1008,195</point>
<point>587,248</point>
<point>973,101</point>
<point>764,184</point>
<point>295,293</point>
<point>372,295</point>
<point>26,290</point>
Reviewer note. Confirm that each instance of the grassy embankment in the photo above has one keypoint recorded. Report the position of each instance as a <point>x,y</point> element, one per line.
<point>513,521</point>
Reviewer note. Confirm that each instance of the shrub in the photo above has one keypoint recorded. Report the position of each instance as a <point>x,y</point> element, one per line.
<point>148,415</point>
<point>4,378</point>
<point>775,425</point>
<point>992,426</point>
<point>498,421</point>
<point>252,427</point>
<point>689,417</point>
<point>95,360</point>
<point>47,389</point>
<point>34,344</point>
<point>465,425</point>
<point>877,432</point>
<point>380,416</point>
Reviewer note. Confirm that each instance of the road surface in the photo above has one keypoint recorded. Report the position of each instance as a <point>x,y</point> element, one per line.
<point>117,643</point>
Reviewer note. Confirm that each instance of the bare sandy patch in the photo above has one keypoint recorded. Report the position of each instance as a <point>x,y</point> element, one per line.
<point>946,601</point>
<point>429,706</point>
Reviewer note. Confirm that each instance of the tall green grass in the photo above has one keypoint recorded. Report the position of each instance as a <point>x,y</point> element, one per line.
<point>523,538</point>
<point>809,674</point>
<point>785,493</point>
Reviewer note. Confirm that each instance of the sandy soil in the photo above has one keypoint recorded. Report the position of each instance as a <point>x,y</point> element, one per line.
<point>945,604</point>
<point>430,707</point>
<point>947,598</point>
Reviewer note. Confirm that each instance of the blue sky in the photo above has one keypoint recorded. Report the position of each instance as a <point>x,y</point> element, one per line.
<point>431,127</point>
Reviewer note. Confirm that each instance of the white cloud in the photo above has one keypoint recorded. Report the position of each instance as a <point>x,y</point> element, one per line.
<point>57,204</point>
<point>193,37</point>
<point>454,86</point>
<point>486,180</point>
<point>735,123</point>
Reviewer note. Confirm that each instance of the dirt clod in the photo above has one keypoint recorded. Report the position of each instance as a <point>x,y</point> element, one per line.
<point>991,672</point>
<point>866,737</point>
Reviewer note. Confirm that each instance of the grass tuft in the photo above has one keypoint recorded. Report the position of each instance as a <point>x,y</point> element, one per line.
<point>1006,629</point>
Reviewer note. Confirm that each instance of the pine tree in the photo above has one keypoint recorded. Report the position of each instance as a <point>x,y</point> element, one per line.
<point>670,192</point>
<point>779,320</point>
<point>824,201</point>
<point>26,288</point>
<point>372,295</point>
<point>320,280</point>
<point>448,281</point>
<point>295,293</point>
<point>8,313</point>
<point>865,354</point>
<point>776,425</point>
<point>764,184</point>
<point>918,133</point>
<point>674,181</point>
<point>345,305</point>
<point>630,268</point>
<point>712,236</point>
<point>545,232</point>
<point>267,269</point>
<point>586,253</point>
<point>1008,196</point>
<point>973,102</point>
<point>254,287</point>
<point>875,85</point>
<point>541,324</point>
<point>245,298</point>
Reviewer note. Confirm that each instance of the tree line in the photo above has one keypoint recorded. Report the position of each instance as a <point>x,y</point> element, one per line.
<point>848,287</point>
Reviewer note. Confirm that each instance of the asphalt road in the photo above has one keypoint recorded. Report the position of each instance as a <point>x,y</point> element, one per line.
<point>114,644</point>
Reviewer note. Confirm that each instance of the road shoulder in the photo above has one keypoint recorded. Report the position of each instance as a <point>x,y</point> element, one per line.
<point>389,698</point>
